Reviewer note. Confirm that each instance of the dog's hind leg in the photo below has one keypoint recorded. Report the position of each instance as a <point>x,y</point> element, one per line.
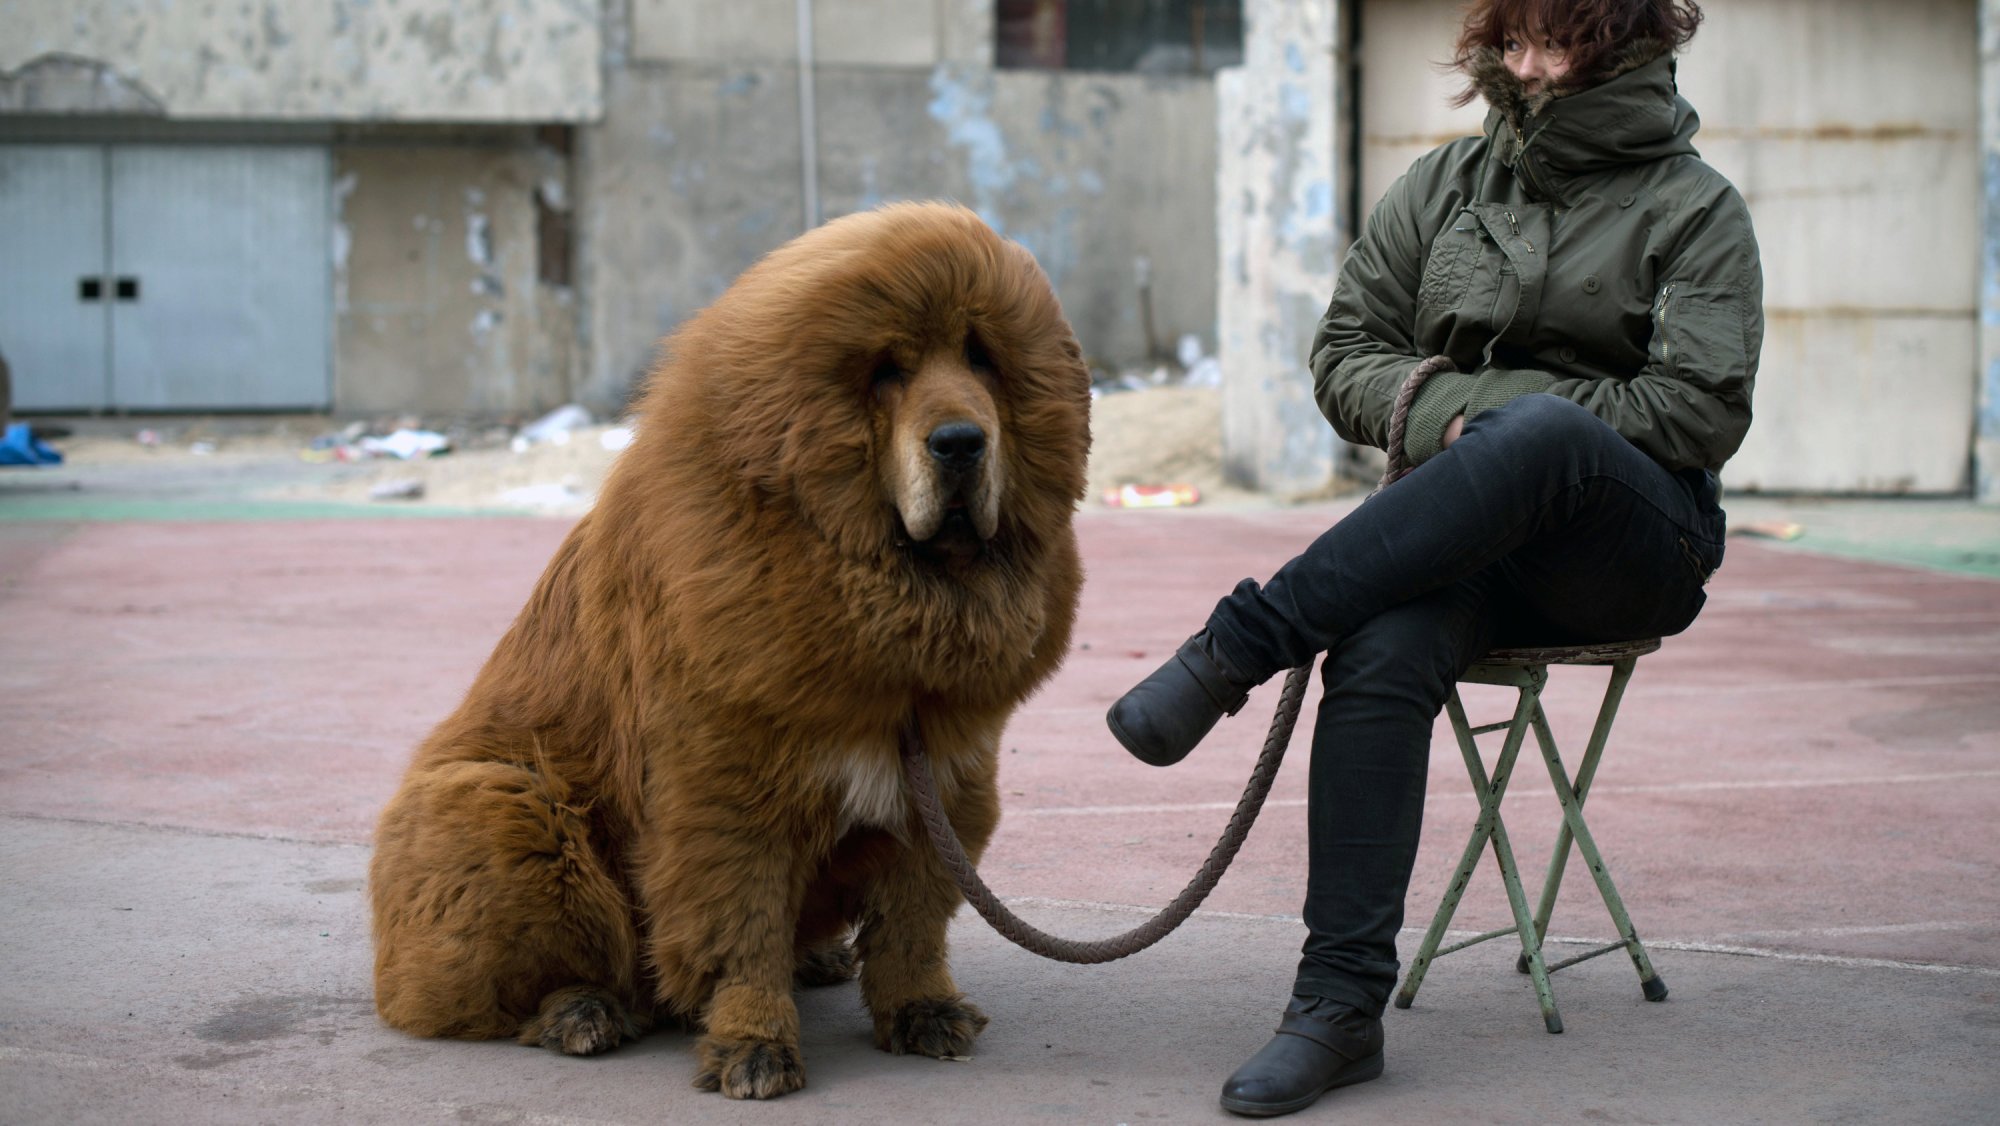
<point>495,916</point>
<point>830,962</point>
<point>582,1020</point>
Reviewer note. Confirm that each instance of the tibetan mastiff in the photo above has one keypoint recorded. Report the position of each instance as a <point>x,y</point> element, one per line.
<point>674,790</point>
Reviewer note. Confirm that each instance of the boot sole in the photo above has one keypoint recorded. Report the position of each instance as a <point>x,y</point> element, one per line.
<point>1360,1071</point>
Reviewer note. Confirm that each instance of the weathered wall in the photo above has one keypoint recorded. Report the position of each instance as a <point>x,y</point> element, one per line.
<point>697,170</point>
<point>907,33</point>
<point>438,60</point>
<point>1277,228</point>
<point>1866,199</point>
<point>439,307</point>
<point>1986,437</point>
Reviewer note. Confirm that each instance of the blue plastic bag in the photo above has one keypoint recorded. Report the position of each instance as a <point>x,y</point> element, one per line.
<point>19,446</point>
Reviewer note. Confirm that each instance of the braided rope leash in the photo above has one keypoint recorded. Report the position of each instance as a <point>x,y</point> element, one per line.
<point>1399,418</point>
<point>923,790</point>
<point>1021,933</point>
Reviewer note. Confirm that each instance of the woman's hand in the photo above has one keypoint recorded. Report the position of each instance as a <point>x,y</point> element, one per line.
<point>1452,430</point>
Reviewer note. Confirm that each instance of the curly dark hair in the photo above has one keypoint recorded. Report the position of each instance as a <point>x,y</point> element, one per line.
<point>1589,32</point>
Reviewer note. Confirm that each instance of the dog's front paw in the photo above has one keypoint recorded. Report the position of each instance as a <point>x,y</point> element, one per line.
<point>937,1026</point>
<point>749,1069</point>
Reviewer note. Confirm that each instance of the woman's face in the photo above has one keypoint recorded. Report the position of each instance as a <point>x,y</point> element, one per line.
<point>1534,60</point>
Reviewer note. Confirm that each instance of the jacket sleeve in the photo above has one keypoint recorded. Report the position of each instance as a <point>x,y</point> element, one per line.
<point>1363,348</point>
<point>1689,406</point>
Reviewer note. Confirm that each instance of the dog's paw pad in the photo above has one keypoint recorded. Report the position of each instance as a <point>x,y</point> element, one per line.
<point>580,1022</point>
<point>829,963</point>
<point>749,1069</point>
<point>940,1027</point>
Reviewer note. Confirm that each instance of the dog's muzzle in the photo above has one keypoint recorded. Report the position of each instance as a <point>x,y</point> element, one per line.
<point>952,491</point>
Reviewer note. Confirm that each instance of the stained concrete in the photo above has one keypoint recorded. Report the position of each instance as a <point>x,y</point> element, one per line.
<point>347,60</point>
<point>1090,172</point>
<point>1800,805</point>
<point>1279,183</point>
<point>441,304</point>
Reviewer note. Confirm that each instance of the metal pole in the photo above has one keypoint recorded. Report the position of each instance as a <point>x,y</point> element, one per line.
<point>808,117</point>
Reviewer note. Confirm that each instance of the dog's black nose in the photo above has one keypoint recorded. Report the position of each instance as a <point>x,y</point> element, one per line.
<point>958,446</point>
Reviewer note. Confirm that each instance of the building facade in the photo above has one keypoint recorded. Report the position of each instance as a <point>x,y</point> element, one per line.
<point>469,207</point>
<point>477,208</point>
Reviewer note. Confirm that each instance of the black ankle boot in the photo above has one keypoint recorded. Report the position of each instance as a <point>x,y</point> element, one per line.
<point>1321,1044</point>
<point>1162,718</point>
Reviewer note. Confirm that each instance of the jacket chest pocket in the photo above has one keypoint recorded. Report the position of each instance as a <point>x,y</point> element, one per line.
<point>1448,269</point>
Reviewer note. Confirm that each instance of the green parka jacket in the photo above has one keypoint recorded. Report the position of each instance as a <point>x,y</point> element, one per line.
<point>1580,248</point>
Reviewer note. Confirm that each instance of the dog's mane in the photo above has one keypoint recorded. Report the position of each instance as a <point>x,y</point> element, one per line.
<point>753,441</point>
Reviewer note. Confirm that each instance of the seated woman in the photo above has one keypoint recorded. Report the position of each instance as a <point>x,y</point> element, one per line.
<point>1589,295</point>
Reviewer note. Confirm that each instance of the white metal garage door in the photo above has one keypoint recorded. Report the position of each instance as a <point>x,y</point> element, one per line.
<point>157,277</point>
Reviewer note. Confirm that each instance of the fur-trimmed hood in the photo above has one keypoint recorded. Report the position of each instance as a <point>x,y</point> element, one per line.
<point>1628,113</point>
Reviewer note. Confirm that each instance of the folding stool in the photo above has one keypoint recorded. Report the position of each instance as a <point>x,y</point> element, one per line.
<point>1527,670</point>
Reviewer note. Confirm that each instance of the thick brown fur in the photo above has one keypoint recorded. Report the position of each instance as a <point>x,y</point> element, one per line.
<point>674,788</point>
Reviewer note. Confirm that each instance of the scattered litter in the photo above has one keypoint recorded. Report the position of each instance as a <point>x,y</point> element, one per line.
<point>201,449</point>
<point>552,427</point>
<point>407,444</point>
<point>956,1059</point>
<point>1188,350</point>
<point>148,438</point>
<point>1783,530</point>
<point>408,488</point>
<point>616,438</point>
<point>550,495</point>
<point>1152,496</point>
<point>1204,372</point>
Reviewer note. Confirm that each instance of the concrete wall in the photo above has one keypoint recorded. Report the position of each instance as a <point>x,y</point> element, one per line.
<point>438,300</point>
<point>697,167</point>
<point>1277,225</point>
<point>343,60</point>
<point>905,33</point>
<point>1986,436</point>
<point>1866,198</point>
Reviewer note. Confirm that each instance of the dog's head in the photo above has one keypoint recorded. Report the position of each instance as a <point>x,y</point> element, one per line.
<point>902,380</point>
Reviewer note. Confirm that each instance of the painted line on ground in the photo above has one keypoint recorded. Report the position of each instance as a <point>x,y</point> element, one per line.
<point>1878,928</point>
<point>1705,690</point>
<point>1660,788</point>
<point>1690,946</point>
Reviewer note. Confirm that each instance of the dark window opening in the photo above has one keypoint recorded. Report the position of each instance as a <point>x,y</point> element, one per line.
<point>555,237</point>
<point>1146,36</point>
<point>553,242</point>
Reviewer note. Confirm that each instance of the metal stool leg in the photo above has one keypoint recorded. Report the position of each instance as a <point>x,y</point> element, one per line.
<point>1607,712</point>
<point>1491,827</point>
<point>1650,981</point>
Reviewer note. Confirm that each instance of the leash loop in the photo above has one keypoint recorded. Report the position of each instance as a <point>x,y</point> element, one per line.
<point>923,793</point>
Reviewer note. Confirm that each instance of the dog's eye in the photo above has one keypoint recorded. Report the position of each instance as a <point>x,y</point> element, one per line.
<point>976,356</point>
<point>885,371</point>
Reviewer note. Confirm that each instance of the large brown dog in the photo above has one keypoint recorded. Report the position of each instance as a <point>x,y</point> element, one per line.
<point>674,788</point>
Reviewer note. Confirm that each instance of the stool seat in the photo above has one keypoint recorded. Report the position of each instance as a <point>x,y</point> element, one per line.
<point>1526,669</point>
<point>1596,653</point>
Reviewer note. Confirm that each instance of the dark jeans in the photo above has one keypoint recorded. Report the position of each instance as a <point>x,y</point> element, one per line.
<point>1539,525</point>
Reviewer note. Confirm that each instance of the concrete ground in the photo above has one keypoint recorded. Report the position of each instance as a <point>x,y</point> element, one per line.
<point>206,700</point>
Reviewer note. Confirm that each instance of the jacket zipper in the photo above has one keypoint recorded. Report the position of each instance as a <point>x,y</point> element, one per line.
<point>1517,232</point>
<point>1660,316</point>
<point>1521,162</point>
